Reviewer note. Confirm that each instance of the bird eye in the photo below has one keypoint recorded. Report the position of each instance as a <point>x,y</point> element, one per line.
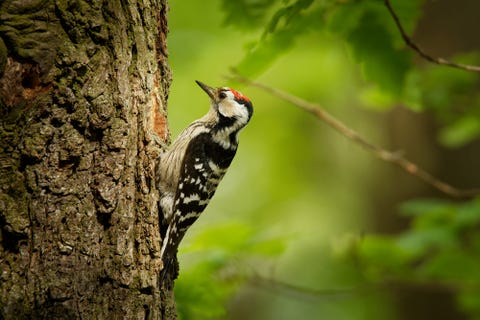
<point>222,95</point>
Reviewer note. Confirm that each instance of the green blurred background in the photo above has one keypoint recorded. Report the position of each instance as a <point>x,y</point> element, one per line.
<point>306,224</point>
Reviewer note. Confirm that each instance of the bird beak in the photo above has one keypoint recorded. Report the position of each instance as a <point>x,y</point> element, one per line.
<point>209,90</point>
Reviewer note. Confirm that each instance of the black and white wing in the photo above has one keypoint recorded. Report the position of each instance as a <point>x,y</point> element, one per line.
<point>203,167</point>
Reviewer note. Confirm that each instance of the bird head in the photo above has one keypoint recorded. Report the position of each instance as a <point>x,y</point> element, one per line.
<point>229,104</point>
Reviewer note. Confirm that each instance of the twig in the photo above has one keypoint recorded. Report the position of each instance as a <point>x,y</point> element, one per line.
<point>299,292</point>
<point>388,156</point>
<point>420,51</point>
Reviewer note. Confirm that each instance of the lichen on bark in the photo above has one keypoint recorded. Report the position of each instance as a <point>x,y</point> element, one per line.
<point>83,89</point>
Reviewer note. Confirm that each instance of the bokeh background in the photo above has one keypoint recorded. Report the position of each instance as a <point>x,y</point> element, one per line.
<point>306,224</point>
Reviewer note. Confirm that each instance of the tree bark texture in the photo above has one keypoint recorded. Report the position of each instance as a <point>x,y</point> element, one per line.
<point>83,92</point>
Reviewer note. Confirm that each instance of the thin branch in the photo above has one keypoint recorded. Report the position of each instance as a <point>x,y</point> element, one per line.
<point>297,291</point>
<point>388,156</point>
<point>305,293</point>
<point>420,51</point>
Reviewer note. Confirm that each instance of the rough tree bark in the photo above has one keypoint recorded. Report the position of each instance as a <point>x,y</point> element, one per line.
<point>83,92</point>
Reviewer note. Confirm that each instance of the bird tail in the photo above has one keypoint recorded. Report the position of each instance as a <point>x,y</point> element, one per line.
<point>169,272</point>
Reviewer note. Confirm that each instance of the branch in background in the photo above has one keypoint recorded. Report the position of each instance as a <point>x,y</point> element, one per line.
<point>388,156</point>
<point>420,51</point>
<point>298,291</point>
<point>305,293</point>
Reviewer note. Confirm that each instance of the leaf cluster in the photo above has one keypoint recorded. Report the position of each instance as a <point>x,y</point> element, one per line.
<point>216,268</point>
<point>371,37</point>
<point>442,244</point>
<point>441,247</point>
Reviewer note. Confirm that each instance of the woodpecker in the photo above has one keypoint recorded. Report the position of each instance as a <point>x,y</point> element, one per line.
<point>191,169</point>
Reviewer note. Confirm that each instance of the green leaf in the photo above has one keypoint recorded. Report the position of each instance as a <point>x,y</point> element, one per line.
<point>200,292</point>
<point>344,18</point>
<point>468,214</point>
<point>453,265</point>
<point>199,295</point>
<point>419,242</point>
<point>287,14</point>
<point>261,56</point>
<point>412,91</point>
<point>246,14</point>
<point>382,253</point>
<point>408,11</point>
<point>373,48</point>
<point>460,132</point>
<point>374,97</point>
<point>277,37</point>
<point>424,206</point>
<point>447,88</point>
<point>376,44</point>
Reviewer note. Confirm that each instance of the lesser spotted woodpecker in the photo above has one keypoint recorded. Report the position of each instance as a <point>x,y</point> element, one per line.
<point>191,169</point>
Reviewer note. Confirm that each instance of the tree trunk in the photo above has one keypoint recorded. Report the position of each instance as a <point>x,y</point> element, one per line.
<point>83,92</point>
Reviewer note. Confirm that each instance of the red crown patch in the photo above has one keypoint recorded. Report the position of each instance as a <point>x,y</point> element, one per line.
<point>239,96</point>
